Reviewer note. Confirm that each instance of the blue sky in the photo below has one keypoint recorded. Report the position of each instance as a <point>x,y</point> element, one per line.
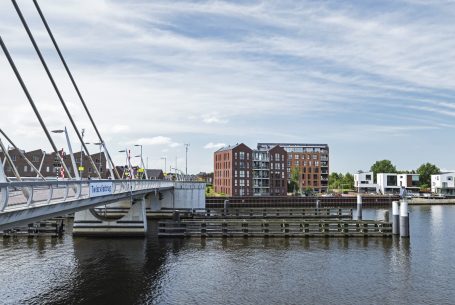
<point>373,79</point>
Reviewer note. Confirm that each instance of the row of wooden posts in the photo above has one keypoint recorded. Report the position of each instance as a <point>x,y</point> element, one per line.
<point>303,222</point>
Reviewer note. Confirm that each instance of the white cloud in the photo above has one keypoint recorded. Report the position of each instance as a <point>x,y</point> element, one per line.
<point>158,140</point>
<point>213,118</point>
<point>212,145</point>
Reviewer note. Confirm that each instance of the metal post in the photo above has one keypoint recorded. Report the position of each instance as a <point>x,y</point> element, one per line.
<point>73,160</point>
<point>226,207</point>
<point>2,173</point>
<point>404,219</point>
<point>41,164</point>
<point>359,207</point>
<point>51,78</point>
<point>395,218</point>
<point>318,204</point>
<point>186,158</point>
<point>74,83</point>
<point>32,103</point>
<point>386,216</point>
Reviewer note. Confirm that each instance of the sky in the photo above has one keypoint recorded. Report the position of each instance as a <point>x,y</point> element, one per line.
<point>372,79</point>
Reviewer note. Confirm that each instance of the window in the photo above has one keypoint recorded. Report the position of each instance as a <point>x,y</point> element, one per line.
<point>391,180</point>
<point>242,174</point>
<point>235,174</point>
<point>25,168</point>
<point>315,157</point>
<point>297,157</point>
<point>277,157</point>
<point>297,163</point>
<point>242,155</point>
<point>47,169</point>
<point>290,157</point>
<point>368,177</point>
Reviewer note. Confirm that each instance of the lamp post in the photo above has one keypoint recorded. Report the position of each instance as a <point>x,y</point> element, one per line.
<point>186,158</point>
<point>128,163</point>
<point>73,161</point>
<point>164,163</point>
<point>99,164</point>
<point>142,162</point>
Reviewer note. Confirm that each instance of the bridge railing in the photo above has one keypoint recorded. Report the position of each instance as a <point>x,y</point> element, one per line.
<point>30,193</point>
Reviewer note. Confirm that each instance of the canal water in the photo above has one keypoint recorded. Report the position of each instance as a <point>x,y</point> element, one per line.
<point>149,270</point>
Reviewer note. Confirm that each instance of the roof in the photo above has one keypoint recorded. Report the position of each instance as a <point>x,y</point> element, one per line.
<point>154,172</point>
<point>231,147</point>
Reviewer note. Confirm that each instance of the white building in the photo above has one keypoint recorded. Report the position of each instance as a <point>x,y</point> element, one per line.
<point>443,184</point>
<point>364,183</point>
<point>389,183</point>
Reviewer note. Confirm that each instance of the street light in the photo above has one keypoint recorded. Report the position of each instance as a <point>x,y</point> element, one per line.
<point>128,162</point>
<point>164,163</point>
<point>186,158</point>
<point>73,161</point>
<point>100,145</point>
<point>142,162</point>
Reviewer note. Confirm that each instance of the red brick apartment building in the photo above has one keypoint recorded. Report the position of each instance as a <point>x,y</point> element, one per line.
<point>312,161</point>
<point>233,170</point>
<point>240,171</point>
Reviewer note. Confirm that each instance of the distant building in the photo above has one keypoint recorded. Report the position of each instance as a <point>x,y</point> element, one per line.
<point>233,170</point>
<point>49,164</point>
<point>390,183</point>
<point>443,184</point>
<point>312,161</point>
<point>155,174</point>
<point>206,177</point>
<point>364,183</point>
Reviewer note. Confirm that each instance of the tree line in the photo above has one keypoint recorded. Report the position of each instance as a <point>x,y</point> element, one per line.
<point>346,181</point>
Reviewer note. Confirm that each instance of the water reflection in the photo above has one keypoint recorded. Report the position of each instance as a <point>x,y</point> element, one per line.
<point>236,270</point>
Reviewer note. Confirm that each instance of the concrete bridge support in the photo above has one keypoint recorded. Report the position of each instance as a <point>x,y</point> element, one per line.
<point>134,223</point>
<point>185,195</point>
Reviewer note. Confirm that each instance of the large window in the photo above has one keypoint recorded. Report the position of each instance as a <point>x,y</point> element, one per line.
<point>392,181</point>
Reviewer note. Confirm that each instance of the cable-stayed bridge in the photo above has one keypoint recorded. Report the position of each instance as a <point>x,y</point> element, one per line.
<point>24,201</point>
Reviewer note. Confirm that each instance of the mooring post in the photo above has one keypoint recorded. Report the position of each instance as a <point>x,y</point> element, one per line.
<point>386,216</point>
<point>404,218</point>
<point>226,207</point>
<point>359,207</point>
<point>176,216</point>
<point>395,218</point>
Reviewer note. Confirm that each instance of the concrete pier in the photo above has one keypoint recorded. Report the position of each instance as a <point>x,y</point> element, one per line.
<point>134,223</point>
<point>404,219</point>
<point>395,218</point>
<point>359,207</point>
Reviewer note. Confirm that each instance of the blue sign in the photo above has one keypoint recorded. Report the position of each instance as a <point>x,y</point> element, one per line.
<point>100,189</point>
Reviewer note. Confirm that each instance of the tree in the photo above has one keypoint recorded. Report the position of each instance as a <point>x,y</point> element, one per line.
<point>383,166</point>
<point>348,181</point>
<point>294,184</point>
<point>425,171</point>
<point>335,180</point>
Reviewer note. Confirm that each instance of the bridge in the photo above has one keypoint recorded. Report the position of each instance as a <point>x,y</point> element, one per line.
<point>23,201</point>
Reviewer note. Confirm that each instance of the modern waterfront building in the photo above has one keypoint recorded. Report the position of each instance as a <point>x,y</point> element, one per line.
<point>311,160</point>
<point>443,184</point>
<point>269,172</point>
<point>241,171</point>
<point>364,183</point>
<point>233,174</point>
<point>390,183</point>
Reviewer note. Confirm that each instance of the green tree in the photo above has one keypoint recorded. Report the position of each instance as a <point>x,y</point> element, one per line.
<point>425,171</point>
<point>383,166</point>
<point>335,180</point>
<point>294,185</point>
<point>348,181</point>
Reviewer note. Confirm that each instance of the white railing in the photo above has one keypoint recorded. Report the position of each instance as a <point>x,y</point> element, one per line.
<point>28,193</point>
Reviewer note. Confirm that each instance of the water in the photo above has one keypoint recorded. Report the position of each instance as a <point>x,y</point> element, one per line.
<point>237,271</point>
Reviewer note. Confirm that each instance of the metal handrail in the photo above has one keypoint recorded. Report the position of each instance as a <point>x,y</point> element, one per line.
<point>72,190</point>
